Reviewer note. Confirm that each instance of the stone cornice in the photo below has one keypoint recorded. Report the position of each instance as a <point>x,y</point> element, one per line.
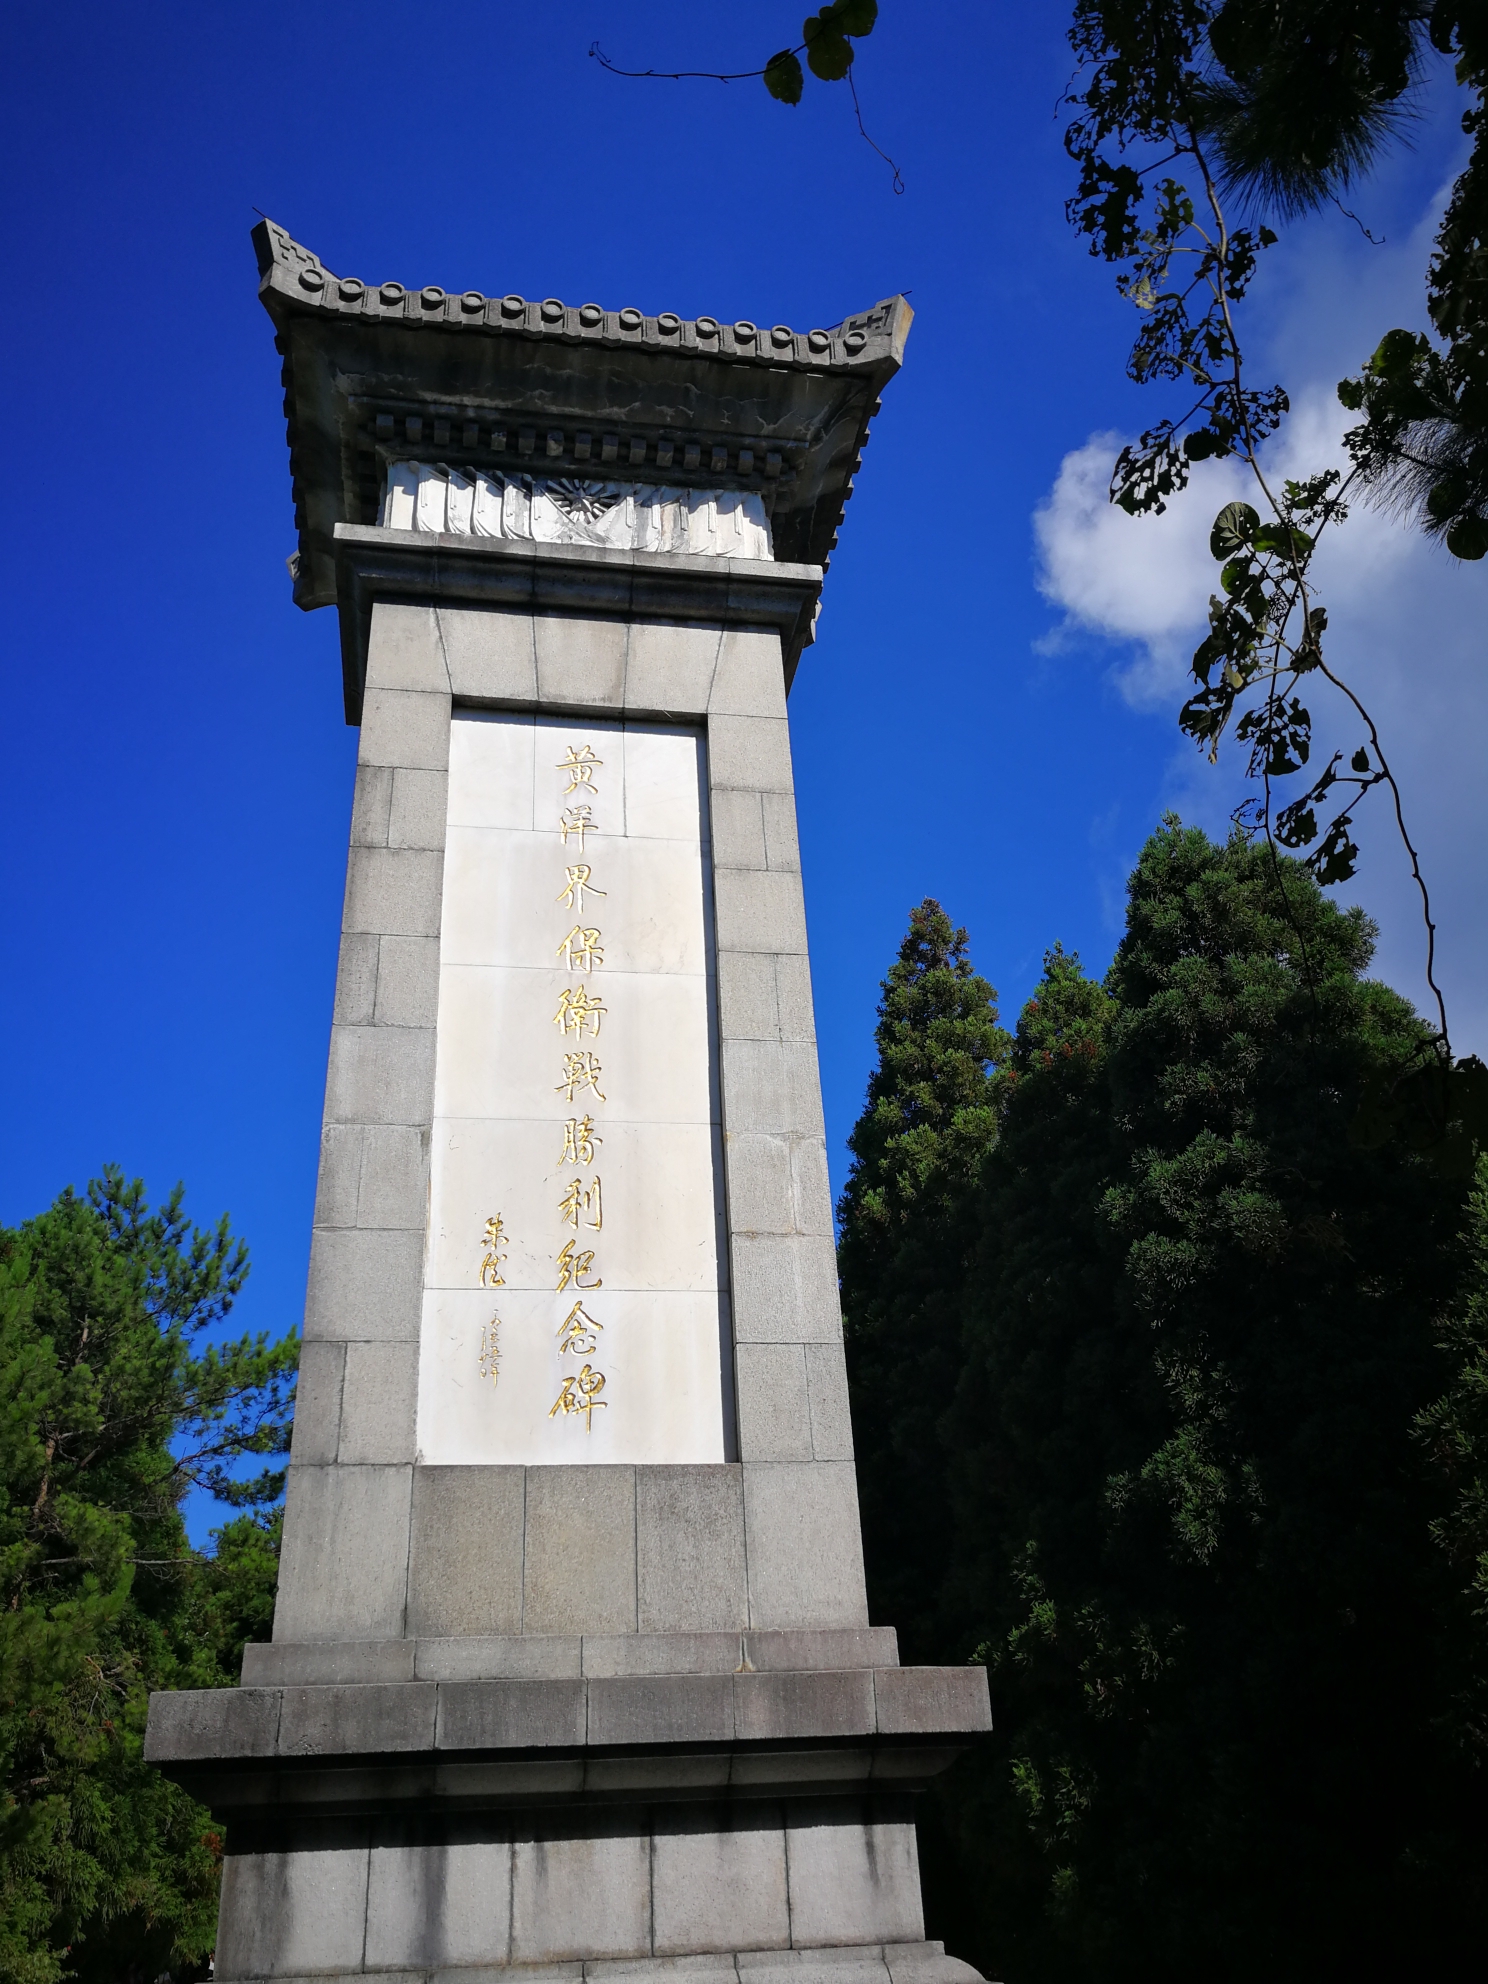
<point>373,375</point>
<point>489,1743</point>
<point>298,280</point>
<point>409,566</point>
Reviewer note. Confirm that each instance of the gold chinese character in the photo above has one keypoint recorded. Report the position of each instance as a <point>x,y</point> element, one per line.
<point>578,1011</point>
<point>582,1198</point>
<point>579,1140</point>
<point>490,1349</point>
<point>581,1071</point>
<point>490,1268</point>
<point>580,764</point>
<point>578,882</point>
<point>577,820</point>
<point>580,1394</point>
<point>580,949</point>
<point>572,1267</point>
<point>579,1332</point>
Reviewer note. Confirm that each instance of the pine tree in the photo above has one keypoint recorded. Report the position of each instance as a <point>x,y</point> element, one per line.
<point>1192,1518</point>
<point>109,1412</point>
<point>905,1229</point>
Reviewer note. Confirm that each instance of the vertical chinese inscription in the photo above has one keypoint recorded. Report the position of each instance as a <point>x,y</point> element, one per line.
<point>581,1012</point>
<point>575,1307</point>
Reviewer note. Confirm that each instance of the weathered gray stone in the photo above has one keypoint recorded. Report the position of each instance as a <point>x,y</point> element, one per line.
<point>344,1565</point>
<point>581,1894</point>
<point>860,1963</point>
<point>340,1176</point>
<point>580,662</point>
<point>396,890</point>
<point>757,910</point>
<point>420,803</point>
<point>912,1701</point>
<point>356,980</point>
<point>690,1550</point>
<point>407,984</point>
<point>801,1772</point>
<point>370,805</point>
<point>393,1188</point>
<point>403,728</point>
<point>805,1546</point>
<point>465,1573</point>
<point>738,829</point>
<point>380,1074</point>
<point>785,1289</point>
<point>782,846</point>
<point>314,1663</point>
<point>295,1912</point>
<point>661,1708</point>
<point>661,1970</point>
<point>535,1656</point>
<point>750,678</point>
<point>207,1722</point>
<point>749,751</point>
<point>811,1187</point>
<point>761,1187</point>
<point>317,1420</point>
<point>747,1008</point>
<point>370,1719</point>
<point>510,1973</point>
<point>510,1715</point>
<point>365,1285</point>
<point>377,1403</point>
<point>771,1086</point>
<point>831,1418</point>
<point>852,1873</point>
<point>647,1652</point>
<point>927,1963</point>
<point>781,1707</point>
<point>579,1565</point>
<point>774,1409</point>
<point>491,654</point>
<point>404,650</point>
<point>793,999</point>
<point>393,1183</point>
<point>439,1902</point>
<point>718,1880</point>
<point>669,667</point>
<point>817,1648</point>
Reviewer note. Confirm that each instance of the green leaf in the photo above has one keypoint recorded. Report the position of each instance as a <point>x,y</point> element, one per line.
<point>1360,760</point>
<point>784,78</point>
<point>1234,530</point>
<point>854,16</point>
<point>1468,537</point>
<point>829,53</point>
<point>1201,444</point>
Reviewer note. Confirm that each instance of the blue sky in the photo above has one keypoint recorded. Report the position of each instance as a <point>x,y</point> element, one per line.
<point>987,715</point>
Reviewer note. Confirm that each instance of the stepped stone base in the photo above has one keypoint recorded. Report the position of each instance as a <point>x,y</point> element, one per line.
<point>858,1963</point>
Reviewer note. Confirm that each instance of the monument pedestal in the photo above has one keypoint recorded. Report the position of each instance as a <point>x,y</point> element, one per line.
<point>748,1800</point>
<point>571,1662</point>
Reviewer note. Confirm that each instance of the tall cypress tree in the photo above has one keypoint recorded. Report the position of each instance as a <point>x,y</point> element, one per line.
<point>906,1229</point>
<point>1193,1522</point>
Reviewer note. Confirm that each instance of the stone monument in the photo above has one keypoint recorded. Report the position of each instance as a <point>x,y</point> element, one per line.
<point>571,1666</point>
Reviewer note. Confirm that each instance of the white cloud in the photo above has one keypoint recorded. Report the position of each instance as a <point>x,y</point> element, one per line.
<point>1406,628</point>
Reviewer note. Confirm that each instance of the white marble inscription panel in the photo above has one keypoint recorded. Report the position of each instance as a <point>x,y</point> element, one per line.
<point>574,1300</point>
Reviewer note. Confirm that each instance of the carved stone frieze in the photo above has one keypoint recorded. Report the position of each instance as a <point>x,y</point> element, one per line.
<point>620,516</point>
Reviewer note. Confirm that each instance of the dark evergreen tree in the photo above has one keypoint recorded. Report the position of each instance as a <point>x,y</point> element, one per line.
<point>1192,1521</point>
<point>906,1227</point>
<point>109,1412</point>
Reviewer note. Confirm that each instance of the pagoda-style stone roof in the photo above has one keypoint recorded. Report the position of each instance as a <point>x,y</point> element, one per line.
<point>381,373</point>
